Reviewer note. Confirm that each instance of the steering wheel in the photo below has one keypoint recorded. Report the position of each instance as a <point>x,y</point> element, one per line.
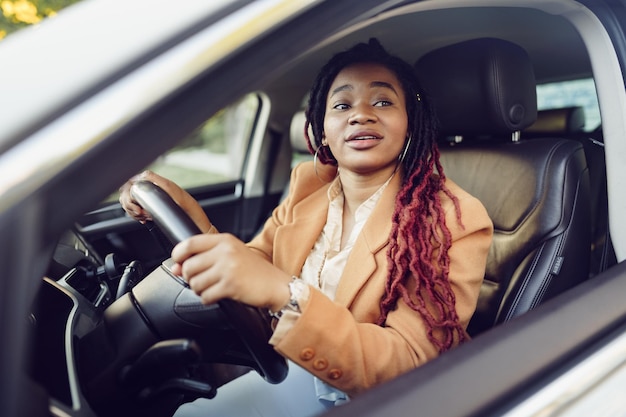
<point>250,323</point>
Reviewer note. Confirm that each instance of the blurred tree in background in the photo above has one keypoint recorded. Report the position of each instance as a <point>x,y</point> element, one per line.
<point>17,14</point>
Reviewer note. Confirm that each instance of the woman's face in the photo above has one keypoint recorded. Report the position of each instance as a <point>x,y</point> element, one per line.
<point>366,119</point>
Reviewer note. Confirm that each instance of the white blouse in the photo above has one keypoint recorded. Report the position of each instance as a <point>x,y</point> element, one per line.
<point>325,264</point>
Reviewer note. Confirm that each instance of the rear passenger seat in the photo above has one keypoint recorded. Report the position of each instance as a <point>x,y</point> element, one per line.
<point>298,140</point>
<point>563,122</point>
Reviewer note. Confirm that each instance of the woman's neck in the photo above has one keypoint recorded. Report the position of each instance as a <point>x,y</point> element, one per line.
<point>356,190</point>
<point>357,187</point>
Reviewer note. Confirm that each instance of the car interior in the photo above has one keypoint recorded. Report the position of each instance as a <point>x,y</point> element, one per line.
<point>141,341</point>
<point>537,178</point>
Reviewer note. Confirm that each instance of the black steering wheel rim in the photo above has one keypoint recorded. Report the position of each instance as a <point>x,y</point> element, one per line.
<point>251,324</point>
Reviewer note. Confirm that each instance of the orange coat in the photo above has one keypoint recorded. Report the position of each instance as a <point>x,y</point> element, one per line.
<point>337,340</point>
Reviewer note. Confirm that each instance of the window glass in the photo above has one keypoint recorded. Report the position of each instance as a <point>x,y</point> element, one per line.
<point>215,152</point>
<point>571,93</point>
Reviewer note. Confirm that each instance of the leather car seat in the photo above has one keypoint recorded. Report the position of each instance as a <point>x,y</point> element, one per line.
<point>569,122</point>
<point>536,191</point>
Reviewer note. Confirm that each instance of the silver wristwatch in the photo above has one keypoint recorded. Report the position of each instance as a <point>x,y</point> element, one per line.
<point>296,289</point>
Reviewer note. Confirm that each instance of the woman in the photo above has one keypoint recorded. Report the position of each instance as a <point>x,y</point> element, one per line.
<point>374,262</point>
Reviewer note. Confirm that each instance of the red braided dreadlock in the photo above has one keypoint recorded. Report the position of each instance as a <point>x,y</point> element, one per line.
<point>419,241</point>
<point>418,250</point>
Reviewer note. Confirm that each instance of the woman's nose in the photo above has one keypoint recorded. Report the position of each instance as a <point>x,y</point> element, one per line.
<point>362,114</point>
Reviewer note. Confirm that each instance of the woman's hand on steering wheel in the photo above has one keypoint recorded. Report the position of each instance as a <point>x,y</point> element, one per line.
<point>130,205</point>
<point>179,195</point>
<point>198,255</point>
<point>218,266</point>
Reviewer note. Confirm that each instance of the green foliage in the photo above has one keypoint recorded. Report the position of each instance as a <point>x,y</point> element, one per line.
<point>17,14</point>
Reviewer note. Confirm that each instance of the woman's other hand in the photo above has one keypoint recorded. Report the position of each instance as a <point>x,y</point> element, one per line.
<point>179,195</point>
<point>129,204</point>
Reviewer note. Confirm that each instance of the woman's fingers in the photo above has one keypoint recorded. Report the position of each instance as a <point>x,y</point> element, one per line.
<point>137,212</point>
<point>192,246</point>
<point>128,203</point>
<point>179,195</point>
<point>203,261</point>
<point>218,266</point>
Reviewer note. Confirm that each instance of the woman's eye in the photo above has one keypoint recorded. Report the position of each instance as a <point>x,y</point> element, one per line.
<point>383,103</point>
<point>341,106</point>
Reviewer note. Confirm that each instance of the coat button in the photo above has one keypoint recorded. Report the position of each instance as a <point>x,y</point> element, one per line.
<point>335,374</point>
<point>320,364</point>
<point>307,354</point>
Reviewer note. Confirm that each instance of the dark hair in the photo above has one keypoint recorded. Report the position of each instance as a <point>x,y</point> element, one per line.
<point>419,241</point>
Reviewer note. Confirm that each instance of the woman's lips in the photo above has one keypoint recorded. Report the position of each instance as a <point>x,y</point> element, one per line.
<point>363,140</point>
<point>364,135</point>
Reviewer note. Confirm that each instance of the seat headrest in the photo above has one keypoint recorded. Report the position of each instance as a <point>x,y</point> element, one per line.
<point>560,121</point>
<point>296,133</point>
<point>481,86</point>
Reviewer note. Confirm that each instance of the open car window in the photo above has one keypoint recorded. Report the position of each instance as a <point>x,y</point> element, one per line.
<point>214,152</point>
